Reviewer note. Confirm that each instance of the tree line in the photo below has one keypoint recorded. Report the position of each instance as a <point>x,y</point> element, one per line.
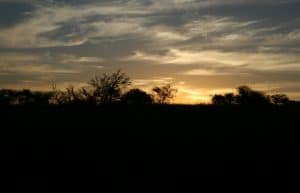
<point>247,96</point>
<point>104,89</point>
<point>113,88</point>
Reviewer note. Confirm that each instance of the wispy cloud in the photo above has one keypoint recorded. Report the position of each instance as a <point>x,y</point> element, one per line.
<point>68,58</point>
<point>244,60</point>
<point>44,63</point>
<point>221,43</point>
<point>205,72</point>
<point>155,81</point>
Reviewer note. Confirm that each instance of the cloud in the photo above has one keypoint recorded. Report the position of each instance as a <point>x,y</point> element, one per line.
<point>59,24</point>
<point>156,81</point>
<point>31,64</point>
<point>207,25</point>
<point>40,69</point>
<point>51,21</point>
<point>205,72</point>
<point>221,43</point>
<point>14,12</point>
<point>68,58</point>
<point>216,58</point>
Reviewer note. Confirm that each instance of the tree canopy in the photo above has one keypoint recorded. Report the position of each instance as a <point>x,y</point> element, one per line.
<point>248,96</point>
<point>164,94</point>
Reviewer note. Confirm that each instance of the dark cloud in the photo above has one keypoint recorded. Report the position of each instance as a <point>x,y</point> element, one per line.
<point>12,13</point>
<point>276,11</point>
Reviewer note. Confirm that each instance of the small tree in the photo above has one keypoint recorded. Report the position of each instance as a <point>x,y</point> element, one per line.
<point>280,99</point>
<point>230,98</point>
<point>226,99</point>
<point>218,99</point>
<point>164,94</point>
<point>137,96</point>
<point>58,97</point>
<point>108,87</point>
<point>246,95</point>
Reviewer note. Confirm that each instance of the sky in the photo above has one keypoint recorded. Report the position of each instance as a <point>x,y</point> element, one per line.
<point>202,47</point>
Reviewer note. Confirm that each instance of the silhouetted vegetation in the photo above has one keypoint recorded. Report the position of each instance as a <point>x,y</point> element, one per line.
<point>280,99</point>
<point>24,97</point>
<point>111,88</point>
<point>105,89</point>
<point>108,88</point>
<point>247,96</point>
<point>164,94</point>
<point>120,136</point>
<point>137,96</point>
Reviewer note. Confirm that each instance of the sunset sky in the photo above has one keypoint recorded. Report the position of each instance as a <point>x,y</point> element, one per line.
<point>202,47</point>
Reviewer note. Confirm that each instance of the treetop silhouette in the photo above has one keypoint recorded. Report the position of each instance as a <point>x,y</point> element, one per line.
<point>112,88</point>
<point>164,94</point>
<point>247,96</point>
<point>137,96</point>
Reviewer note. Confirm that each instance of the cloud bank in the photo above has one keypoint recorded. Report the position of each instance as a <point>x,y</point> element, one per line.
<point>207,44</point>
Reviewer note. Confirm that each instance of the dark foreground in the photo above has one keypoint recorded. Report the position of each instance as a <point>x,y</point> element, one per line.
<point>150,149</point>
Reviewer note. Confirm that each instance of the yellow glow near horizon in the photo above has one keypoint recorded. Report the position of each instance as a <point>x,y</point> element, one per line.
<point>185,95</point>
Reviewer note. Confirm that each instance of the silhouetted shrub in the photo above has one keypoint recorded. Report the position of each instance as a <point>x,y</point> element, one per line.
<point>164,94</point>
<point>280,99</point>
<point>137,96</point>
<point>246,95</point>
<point>108,88</point>
<point>102,90</point>
<point>58,97</point>
<point>230,98</point>
<point>23,97</point>
<point>218,99</point>
<point>227,99</point>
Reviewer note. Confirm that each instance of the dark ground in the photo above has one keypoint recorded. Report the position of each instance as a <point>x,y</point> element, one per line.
<point>150,148</point>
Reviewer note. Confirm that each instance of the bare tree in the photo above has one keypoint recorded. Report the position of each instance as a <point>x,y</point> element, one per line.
<point>164,94</point>
<point>108,88</point>
<point>60,97</point>
<point>103,90</point>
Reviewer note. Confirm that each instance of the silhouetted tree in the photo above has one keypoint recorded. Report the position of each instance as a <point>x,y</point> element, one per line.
<point>218,99</point>
<point>246,95</point>
<point>227,99</point>
<point>70,96</point>
<point>86,95</point>
<point>137,96</point>
<point>23,97</point>
<point>164,94</point>
<point>108,87</point>
<point>103,90</point>
<point>230,98</point>
<point>77,96</point>
<point>59,97</point>
<point>280,99</point>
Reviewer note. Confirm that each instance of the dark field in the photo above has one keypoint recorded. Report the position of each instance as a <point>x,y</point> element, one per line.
<point>153,148</point>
